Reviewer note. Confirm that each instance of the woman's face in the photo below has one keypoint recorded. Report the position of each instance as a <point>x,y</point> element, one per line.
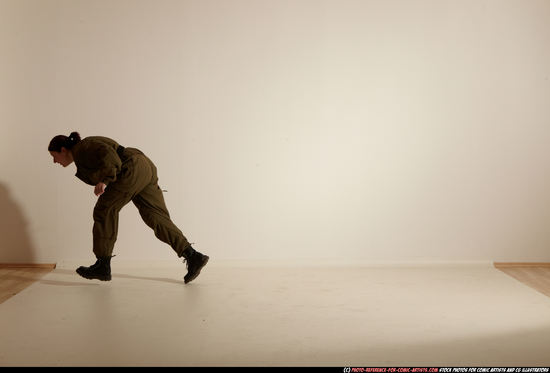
<point>64,157</point>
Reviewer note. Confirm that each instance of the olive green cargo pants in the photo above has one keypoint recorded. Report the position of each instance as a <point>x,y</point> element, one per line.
<point>137,182</point>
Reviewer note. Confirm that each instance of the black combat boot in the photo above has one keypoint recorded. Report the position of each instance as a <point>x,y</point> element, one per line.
<point>194,261</point>
<point>101,270</point>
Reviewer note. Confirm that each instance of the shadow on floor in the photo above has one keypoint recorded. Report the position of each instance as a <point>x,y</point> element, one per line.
<point>16,245</point>
<point>119,275</point>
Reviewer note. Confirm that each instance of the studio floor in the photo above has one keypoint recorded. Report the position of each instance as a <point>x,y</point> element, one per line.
<point>359,316</point>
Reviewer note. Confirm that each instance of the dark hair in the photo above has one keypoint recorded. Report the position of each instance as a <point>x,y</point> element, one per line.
<point>61,141</point>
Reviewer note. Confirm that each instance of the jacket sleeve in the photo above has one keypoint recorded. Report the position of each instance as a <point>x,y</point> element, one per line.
<point>101,163</point>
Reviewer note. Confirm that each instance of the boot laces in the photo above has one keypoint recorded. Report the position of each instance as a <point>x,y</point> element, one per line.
<point>186,260</point>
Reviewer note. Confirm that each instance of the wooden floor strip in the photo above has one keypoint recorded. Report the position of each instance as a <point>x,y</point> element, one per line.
<point>14,280</point>
<point>534,275</point>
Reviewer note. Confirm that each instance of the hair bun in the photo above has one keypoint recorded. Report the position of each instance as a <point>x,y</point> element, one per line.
<point>74,137</point>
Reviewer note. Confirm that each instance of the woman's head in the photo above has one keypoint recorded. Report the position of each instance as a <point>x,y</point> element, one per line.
<point>60,148</point>
<point>61,141</point>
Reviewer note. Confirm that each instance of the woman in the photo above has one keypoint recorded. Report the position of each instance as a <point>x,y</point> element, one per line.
<point>121,175</point>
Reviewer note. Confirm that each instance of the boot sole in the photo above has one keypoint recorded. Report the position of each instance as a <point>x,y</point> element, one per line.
<point>100,278</point>
<point>188,280</point>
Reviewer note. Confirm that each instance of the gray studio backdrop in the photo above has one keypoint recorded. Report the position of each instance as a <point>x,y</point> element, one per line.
<point>287,130</point>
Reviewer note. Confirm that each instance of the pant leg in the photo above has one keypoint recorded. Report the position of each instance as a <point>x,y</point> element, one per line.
<point>135,175</point>
<point>152,208</point>
<point>105,227</point>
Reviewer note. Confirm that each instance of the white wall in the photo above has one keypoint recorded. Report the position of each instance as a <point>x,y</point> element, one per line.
<point>289,129</point>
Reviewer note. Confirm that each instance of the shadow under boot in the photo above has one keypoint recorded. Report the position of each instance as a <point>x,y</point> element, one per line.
<point>195,261</point>
<point>101,270</point>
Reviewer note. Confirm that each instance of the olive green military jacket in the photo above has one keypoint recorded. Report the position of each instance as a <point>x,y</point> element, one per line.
<point>96,160</point>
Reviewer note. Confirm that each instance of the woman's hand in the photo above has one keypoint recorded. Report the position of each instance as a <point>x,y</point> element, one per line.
<point>99,189</point>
